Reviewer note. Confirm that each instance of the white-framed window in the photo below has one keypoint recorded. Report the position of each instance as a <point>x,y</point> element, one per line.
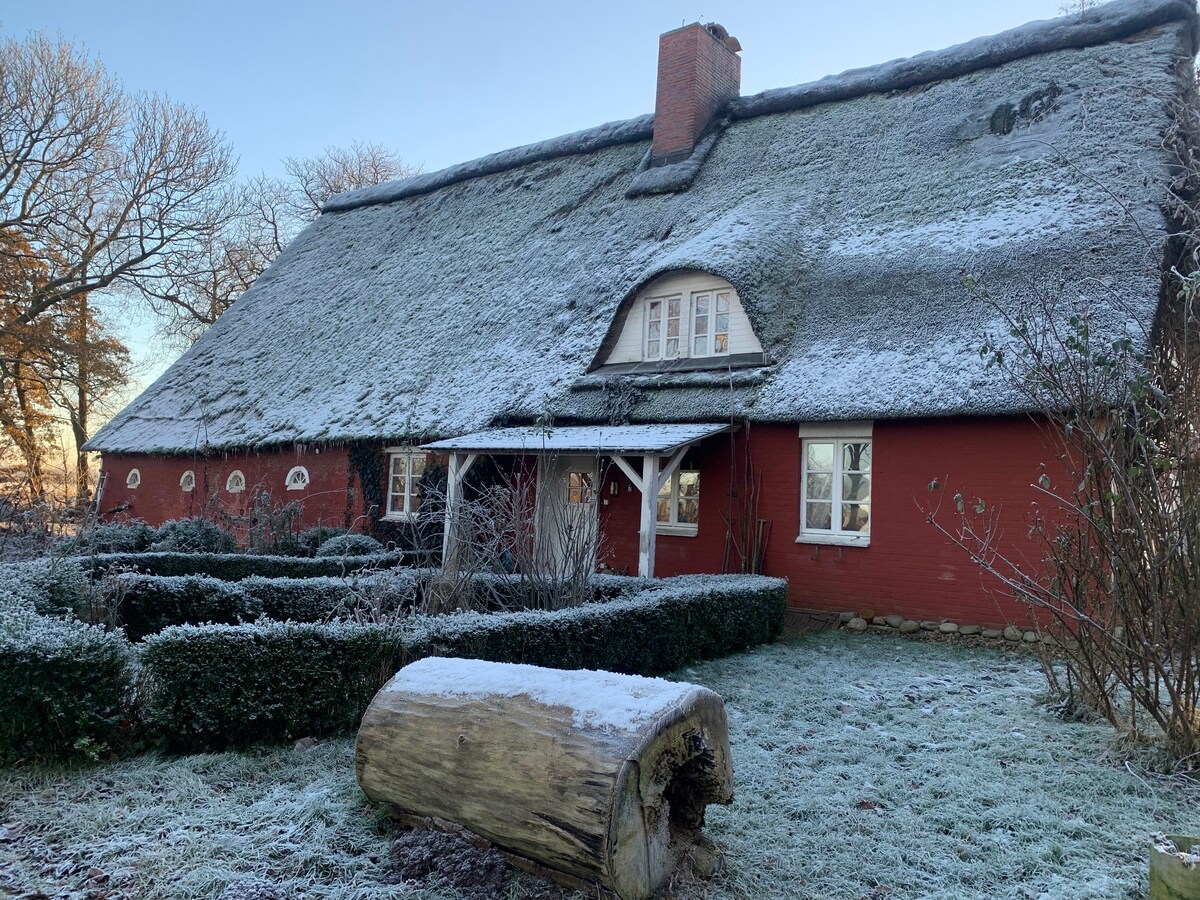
<point>405,467</point>
<point>710,323</point>
<point>835,486</point>
<point>297,479</point>
<point>679,503</point>
<point>664,319</point>
<point>580,489</point>
<point>236,482</point>
<point>187,481</point>
<point>133,479</point>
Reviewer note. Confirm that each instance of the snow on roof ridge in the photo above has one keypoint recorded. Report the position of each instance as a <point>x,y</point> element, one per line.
<point>606,135</point>
<point>1099,25</point>
<point>1109,22</point>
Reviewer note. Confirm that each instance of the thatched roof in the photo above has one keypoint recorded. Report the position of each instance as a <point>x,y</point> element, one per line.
<point>843,211</point>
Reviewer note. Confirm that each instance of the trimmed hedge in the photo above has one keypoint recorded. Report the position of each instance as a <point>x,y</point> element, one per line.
<point>349,544</point>
<point>51,586</point>
<point>64,685</point>
<point>214,686</point>
<point>237,566</point>
<point>150,603</point>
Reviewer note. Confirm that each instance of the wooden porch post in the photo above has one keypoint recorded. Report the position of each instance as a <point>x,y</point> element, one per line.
<point>649,517</point>
<point>456,470</point>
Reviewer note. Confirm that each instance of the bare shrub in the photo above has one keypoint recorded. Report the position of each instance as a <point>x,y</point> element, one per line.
<point>1118,526</point>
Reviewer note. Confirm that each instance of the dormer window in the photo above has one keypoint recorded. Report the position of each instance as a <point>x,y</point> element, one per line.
<point>662,327</point>
<point>297,479</point>
<point>133,479</point>
<point>187,482</point>
<point>684,320</point>
<point>236,482</point>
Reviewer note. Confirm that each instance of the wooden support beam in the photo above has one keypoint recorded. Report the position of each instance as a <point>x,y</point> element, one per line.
<point>672,464</point>
<point>649,517</point>
<point>457,467</point>
<point>625,467</point>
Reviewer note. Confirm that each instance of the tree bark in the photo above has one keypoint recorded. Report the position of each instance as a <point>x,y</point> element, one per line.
<point>620,806</point>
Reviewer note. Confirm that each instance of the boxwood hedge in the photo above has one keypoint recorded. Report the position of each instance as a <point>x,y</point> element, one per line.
<point>214,686</point>
<point>64,686</point>
<point>236,566</point>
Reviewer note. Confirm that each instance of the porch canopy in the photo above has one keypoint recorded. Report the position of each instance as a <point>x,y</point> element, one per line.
<point>661,448</point>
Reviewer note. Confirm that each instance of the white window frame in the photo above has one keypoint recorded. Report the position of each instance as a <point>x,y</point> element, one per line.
<point>236,482</point>
<point>299,475</point>
<point>682,337</point>
<point>407,512</point>
<point>711,315</point>
<point>674,526</point>
<point>133,480</point>
<point>187,481</point>
<point>838,434</point>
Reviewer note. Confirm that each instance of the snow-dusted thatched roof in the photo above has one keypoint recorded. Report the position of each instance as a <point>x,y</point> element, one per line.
<point>844,212</point>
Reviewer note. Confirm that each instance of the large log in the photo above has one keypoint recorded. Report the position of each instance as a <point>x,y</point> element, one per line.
<point>601,776</point>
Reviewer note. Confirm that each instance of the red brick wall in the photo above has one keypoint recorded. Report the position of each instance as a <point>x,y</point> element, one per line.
<point>697,75</point>
<point>159,496</point>
<point>908,568</point>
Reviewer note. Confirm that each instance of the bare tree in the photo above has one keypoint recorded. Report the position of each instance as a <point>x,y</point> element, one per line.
<point>106,188</point>
<point>263,215</point>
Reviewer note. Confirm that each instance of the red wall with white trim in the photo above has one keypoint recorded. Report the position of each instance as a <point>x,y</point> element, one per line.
<point>909,568</point>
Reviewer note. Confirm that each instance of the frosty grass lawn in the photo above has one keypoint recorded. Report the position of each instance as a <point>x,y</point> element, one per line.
<point>865,766</point>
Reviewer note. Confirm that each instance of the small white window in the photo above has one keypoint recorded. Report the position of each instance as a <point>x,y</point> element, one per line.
<point>405,467</point>
<point>187,483</point>
<point>297,478</point>
<point>679,503</point>
<point>236,482</point>
<point>663,319</point>
<point>835,489</point>
<point>133,479</point>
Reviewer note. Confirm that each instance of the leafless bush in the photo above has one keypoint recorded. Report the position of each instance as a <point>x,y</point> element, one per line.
<point>510,551</point>
<point>1118,525</point>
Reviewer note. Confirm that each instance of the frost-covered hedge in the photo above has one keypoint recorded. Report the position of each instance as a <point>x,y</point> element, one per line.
<point>659,629</point>
<point>236,566</point>
<point>349,544</point>
<point>51,586</point>
<point>146,604</point>
<point>213,686</point>
<point>64,686</point>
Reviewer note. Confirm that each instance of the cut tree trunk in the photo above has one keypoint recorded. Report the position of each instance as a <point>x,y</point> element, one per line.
<point>604,777</point>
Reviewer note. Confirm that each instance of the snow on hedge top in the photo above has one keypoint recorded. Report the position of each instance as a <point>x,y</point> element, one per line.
<point>480,295</point>
<point>601,700</point>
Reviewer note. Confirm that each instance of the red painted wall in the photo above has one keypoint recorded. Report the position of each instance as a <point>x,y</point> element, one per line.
<point>332,497</point>
<point>908,568</point>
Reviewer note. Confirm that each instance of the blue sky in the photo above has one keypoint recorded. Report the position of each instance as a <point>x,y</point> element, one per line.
<point>446,82</point>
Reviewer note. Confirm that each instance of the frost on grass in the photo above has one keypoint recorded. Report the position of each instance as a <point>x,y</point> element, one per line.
<point>860,764</point>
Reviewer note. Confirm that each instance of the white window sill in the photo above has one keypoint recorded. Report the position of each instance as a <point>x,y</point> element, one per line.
<point>677,530</point>
<point>839,540</point>
<point>399,517</point>
<point>297,487</point>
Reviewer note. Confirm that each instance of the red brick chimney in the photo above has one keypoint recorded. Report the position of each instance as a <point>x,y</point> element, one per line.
<point>699,71</point>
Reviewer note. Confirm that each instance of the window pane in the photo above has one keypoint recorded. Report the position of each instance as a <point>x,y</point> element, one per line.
<point>817,516</point>
<point>672,348</point>
<point>856,487</point>
<point>417,465</point>
<point>855,517</point>
<point>700,346</point>
<point>701,325</point>
<point>722,324</point>
<point>856,457</point>
<point>664,507</point>
<point>722,303</point>
<point>689,510</point>
<point>398,460</point>
<point>689,484</point>
<point>820,486</point>
<point>673,307</point>
<point>721,343</point>
<point>820,456</point>
<point>655,310</point>
<point>701,304</point>
<point>654,332</point>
